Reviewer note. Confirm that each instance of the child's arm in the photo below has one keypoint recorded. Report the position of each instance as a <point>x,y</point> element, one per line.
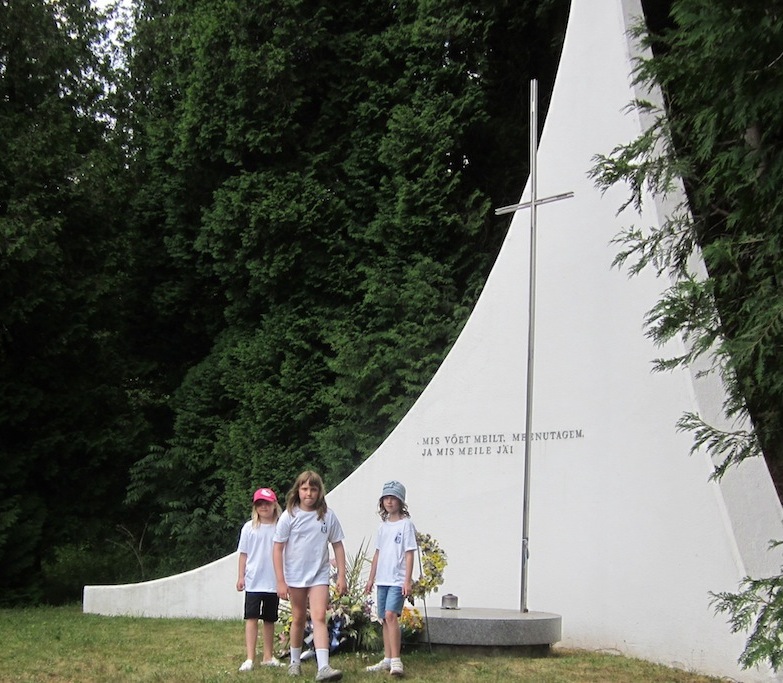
<point>406,586</point>
<point>373,569</point>
<point>277,559</point>
<point>339,557</point>
<point>241,573</point>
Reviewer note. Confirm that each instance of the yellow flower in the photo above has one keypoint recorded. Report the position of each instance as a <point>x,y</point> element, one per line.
<point>411,619</point>
<point>433,562</point>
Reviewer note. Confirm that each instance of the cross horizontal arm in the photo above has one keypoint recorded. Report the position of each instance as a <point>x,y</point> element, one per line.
<point>511,208</point>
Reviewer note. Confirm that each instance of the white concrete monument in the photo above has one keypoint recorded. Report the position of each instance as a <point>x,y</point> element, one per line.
<point>627,534</point>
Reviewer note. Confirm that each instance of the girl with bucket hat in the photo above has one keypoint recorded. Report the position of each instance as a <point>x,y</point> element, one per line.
<point>392,568</point>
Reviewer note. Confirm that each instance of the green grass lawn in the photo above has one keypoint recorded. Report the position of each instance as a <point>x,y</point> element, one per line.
<point>56,644</point>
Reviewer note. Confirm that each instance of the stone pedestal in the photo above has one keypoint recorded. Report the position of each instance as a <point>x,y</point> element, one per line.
<point>488,630</point>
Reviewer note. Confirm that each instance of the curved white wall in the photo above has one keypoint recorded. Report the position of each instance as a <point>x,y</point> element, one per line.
<point>208,592</point>
<point>628,536</point>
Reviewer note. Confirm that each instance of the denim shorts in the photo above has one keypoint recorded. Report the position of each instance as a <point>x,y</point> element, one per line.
<point>390,600</point>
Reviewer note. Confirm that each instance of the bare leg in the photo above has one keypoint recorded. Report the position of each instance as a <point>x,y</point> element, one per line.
<point>298,599</point>
<point>319,600</point>
<point>386,641</point>
<point>392,625</point>
<point>269,639</point>
<point>251,637</point>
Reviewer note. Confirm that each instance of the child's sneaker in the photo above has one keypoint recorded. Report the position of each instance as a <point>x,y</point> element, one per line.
<point>272,662</point>
<point>294,669</point>
<point>396,668</point>
<point>383,665</point>
<point>327,673</point>
<point>247,665</point>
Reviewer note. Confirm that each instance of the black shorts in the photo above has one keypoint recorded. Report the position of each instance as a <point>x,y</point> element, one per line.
<point>261,606</point>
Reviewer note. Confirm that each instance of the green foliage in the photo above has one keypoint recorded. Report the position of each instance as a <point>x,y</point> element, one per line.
<point>316,188</point>
<point>237,238</point>
<point>186,482</point>
<point>728,449</point>
<point>69,428</point>
<point>69,567</point>
<point>757,608</point>
<point>718,66</point>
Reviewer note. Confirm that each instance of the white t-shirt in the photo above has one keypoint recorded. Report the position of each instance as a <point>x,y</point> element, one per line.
<point>393,541</point>
<point>257,543</point>
<point>307,539</point>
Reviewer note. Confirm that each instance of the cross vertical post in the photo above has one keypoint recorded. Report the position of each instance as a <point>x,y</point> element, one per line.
<point>533,205</point>
<point>531,338</point>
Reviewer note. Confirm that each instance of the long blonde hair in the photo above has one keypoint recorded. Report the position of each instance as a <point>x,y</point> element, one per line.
<point>256,518</point>
<point>314,479</point>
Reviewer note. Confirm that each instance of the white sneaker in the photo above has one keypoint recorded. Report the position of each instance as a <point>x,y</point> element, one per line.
<point>294,669</point>
<point>247,665</point>
<point>272,662</point>
<point>396,668</point>
<point>327,673</point>
<point>383,665</point>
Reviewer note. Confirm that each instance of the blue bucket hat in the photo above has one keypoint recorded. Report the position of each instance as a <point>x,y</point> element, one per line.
<point>394,488</point>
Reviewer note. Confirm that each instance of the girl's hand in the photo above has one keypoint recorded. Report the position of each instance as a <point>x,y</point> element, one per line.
<point>240,585</point>
<point>282,590</point>
<point>368,587</point>
<point>342,586</point>
<point>406,589</point>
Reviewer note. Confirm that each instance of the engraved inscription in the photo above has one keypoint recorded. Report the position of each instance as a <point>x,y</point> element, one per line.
<point>495,443</point>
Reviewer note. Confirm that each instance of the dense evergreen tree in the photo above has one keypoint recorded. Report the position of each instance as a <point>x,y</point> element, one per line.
<point>242,250</point>
<point>325,174</point>
<point>68,428</point>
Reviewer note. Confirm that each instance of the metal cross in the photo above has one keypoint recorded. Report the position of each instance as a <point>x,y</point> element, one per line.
<point>533,205</point>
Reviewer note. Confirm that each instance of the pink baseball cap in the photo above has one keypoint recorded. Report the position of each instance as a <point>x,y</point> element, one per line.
<point>265,494</point>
